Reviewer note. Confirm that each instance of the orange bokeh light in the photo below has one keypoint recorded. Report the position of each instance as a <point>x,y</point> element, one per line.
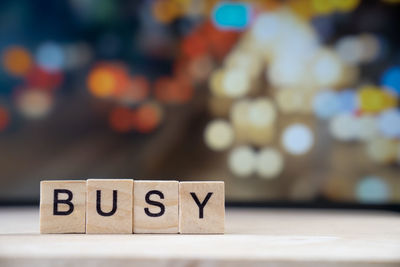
<point>165,11</point>
<point>137,90</point>
<point>173,90</point>
<point>121,76</point>
<point>101,82</point>
<point>147,117</point>
<point>17,60</point>
<point>4,118</point>
<point>108,79</point>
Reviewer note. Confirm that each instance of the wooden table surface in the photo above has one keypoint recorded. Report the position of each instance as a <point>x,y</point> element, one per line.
<point>253,237</point>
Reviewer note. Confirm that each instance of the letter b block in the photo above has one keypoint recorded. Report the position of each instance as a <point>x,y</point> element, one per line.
<point>201,207</point>
<point>109,206</point>
<point>155,207</point>
<point>62,207</point>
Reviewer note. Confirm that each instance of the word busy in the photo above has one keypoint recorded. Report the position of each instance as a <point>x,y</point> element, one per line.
<point>125,206</point>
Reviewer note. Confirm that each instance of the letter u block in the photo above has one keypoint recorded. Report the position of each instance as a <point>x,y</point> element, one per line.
<point>201,207</point>
<point>62,206</point>
<point>109,206</point>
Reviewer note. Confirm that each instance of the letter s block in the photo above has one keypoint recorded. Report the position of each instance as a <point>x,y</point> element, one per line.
<point>201,207</point>
<point>109,206</point>
<point>155,207</point>
<point>62,206</point>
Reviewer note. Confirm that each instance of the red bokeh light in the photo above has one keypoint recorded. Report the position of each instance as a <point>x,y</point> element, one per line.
<point>41,79</point>
<point>4,118</point>
<point>121,119</point>
<point>147,118</point>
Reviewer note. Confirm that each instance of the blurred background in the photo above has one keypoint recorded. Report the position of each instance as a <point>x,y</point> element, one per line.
<point>291,101</point>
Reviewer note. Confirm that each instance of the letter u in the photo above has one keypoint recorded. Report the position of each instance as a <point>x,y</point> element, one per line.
<point>98,204</point>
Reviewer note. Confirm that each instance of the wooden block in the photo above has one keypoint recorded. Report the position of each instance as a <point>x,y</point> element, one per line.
<point>62,206</point>
<point>109,206</point>
<point>155,207</point>
<point>201,207</point>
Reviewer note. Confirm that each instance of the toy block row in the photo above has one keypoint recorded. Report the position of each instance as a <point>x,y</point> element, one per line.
<point>125,206</point>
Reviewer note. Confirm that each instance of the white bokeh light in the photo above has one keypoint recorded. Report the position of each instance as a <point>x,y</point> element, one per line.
<point>267,27</point>
<point>297,139</point>
<point>367,128</point>
<point>269,163</point>
<point>34,103</point>
<point>235,83</point>
<point>327,68</point>
<point>261,112</point>
<point>344,127</point>
<point>219,135</point>
<point>389,123</point>
<point>326,104</point>
<point>349,49</point>
<point>241,161</point>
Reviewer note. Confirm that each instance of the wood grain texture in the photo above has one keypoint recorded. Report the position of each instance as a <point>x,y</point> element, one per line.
<point>74,222</point>
<point>211,220</point>
<point>168,222</point>
<point>253,237</point>
<point>115,219</point>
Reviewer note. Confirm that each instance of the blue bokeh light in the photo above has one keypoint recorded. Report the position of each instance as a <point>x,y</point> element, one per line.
<point>50,57</point>
<point>373,190</point>
<point>391,79</point>
<point>233,16</point>
<point>347,100</point>
<point>389,123</point>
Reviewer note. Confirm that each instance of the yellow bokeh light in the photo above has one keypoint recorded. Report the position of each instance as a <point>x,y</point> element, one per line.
<point>373,99</point>
<point>323,7</point>
<point>382,150</point>
<point>239,119</point>
<point>215,83</point>
<point>260,136</point>
<point>345,5</point>
<point>290,100</point>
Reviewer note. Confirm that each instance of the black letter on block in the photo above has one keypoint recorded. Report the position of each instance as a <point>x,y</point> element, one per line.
<point>62,201</point>
<point>201,205</point>
<point>98,204</point>
<point>155,203</point>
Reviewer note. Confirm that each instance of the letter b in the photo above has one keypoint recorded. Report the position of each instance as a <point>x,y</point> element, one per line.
<point>62,201</point>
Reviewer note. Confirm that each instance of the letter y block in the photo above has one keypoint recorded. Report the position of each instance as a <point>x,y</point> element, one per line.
<point>62,206</point>
<point>201,207</point>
